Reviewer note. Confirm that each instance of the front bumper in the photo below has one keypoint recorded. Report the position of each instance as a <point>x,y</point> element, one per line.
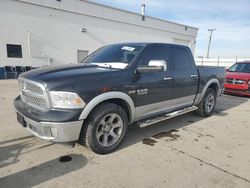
<point>55,125</point>
<point>53,131</point>
<point>237,92</point>
<point>240,89</point>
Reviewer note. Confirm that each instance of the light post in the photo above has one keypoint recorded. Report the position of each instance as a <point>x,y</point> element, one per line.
<point>210,39</point>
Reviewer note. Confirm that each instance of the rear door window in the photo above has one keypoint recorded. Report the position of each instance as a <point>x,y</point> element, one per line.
<point>180,58</point>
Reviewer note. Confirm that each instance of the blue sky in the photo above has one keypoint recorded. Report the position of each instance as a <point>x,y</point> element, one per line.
<point>231,18</point>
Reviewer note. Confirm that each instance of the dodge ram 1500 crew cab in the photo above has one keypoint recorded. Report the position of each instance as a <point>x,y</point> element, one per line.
<point>116,86</point>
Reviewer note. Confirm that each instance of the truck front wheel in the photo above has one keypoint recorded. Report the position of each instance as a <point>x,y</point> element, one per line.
<point>207,104</point>
<point>104,129</point>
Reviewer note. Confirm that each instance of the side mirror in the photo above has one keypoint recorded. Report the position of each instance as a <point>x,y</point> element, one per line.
<point>158,63</point>
<point>153,66</point>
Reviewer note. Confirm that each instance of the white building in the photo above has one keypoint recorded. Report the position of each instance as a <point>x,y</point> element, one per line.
<point>42,32</point>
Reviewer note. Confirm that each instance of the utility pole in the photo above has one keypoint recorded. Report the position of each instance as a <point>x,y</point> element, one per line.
<point>143,11</point>
<point>210,39</point>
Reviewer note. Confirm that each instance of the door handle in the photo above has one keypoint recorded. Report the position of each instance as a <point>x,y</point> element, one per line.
<point>167,78</point>
<point>193,75</point>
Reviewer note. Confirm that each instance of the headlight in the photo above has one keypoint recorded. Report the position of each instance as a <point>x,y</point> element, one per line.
<point>68,100</point>
<point>248,82</point>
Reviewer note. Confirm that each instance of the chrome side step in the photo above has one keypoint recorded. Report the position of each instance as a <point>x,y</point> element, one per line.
<point>157,119</point>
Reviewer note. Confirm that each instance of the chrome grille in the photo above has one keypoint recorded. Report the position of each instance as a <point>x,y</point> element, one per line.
<point>33,88</point>
<point>37,102</point>
<point>235,81</point>
<point>34,94</point>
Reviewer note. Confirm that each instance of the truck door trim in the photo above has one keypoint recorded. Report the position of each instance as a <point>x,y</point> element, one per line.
<point>150,109</point>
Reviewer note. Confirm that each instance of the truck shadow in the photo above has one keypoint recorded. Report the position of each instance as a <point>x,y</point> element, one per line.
<point>43,172</point>
<point>169,127</point>
<point>10,150</point>
<point>16,139</point>
<point>10,154</point>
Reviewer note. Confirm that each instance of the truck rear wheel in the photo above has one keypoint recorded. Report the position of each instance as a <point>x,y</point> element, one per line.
<point>104,129</point>
<point>207,104</point>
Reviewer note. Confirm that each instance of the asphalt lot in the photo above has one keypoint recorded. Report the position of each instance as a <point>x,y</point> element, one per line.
<point>187,151</point>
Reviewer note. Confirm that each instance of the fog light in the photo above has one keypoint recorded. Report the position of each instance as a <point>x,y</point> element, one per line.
<point>47,132</point>
<point>53,132</point>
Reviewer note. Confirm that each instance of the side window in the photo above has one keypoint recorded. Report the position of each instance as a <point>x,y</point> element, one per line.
<point>180,58</point>
<point>154,53</point>
<point>14,51</point>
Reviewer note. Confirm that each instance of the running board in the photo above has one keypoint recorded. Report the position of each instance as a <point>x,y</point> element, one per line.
<point>157,119</point>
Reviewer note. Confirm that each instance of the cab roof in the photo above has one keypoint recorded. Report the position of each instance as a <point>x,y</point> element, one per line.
<point>146,43</point>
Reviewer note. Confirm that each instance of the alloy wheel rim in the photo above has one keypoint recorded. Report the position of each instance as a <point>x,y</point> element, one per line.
<point>210,103</point>
<point>109,130</point>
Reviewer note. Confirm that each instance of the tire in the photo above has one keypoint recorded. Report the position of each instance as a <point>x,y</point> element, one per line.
<point>104,129</point>
<point>207,104</point>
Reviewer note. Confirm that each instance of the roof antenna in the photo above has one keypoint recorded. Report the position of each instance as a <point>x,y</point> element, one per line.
<point>143,11</point>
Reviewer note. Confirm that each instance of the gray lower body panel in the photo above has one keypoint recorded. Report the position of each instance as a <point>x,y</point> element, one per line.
<point>53,131</point>
<point>164,106</point>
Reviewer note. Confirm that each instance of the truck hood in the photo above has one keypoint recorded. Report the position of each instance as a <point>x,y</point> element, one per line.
<point>68,75</point>
<point>238,75</point>
<point>51,73</point>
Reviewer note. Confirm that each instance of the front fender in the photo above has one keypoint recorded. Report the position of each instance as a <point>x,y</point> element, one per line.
<point>107,96</point>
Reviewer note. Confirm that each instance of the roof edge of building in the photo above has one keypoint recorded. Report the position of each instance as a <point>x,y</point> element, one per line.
<point>115,8</point>
<point>138,14</point>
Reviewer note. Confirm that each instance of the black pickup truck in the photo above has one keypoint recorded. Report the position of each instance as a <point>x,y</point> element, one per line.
<point>116,86</point>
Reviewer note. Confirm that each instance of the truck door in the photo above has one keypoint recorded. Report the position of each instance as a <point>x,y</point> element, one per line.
<point>184,77</point>
<point>153,89</point>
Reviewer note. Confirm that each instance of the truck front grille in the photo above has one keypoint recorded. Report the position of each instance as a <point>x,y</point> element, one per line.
<point>34,94</point>
<point>235,81</point>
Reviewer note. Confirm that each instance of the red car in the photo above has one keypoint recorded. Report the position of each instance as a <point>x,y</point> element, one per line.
<point>238,79</point>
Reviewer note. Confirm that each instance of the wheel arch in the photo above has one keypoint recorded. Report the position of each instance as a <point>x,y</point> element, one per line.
<point>116,97</point>
<point>214,84</point>
<point>215,87</point>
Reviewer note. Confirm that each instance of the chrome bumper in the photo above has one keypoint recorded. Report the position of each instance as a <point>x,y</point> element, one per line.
<point>53,131</point>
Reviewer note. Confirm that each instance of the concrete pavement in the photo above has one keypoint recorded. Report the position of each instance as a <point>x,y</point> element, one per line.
<point>187,151</point>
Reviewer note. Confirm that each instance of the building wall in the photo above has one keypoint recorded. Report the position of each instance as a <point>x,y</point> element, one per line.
<point>50,32</point>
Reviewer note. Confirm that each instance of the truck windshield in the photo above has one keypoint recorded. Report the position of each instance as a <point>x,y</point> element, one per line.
<point>240,67</point>
<point>114,56</point>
